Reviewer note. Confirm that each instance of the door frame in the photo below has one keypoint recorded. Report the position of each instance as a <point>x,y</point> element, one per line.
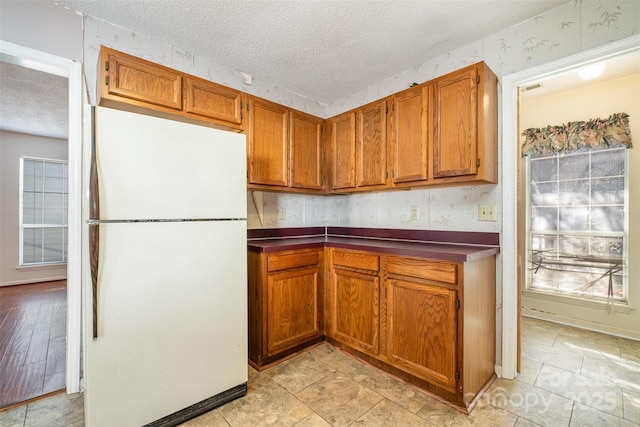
<point>510,158</point>
<point>72,70</point>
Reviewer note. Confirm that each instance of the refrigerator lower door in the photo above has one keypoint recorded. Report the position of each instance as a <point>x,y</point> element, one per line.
<point>172,319</point>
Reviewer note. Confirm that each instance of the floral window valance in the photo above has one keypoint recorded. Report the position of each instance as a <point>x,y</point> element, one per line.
<point>566,138</point>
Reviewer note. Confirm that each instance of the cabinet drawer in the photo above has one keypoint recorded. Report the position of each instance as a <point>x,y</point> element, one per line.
<point>356,260</point>
<point>283,262</point>
<point>439,271</point>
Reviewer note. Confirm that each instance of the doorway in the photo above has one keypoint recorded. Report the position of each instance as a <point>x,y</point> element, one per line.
<point>71,70</point>
<point>512,263</point>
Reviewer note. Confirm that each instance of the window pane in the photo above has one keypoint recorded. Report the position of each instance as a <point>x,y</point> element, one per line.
<point>608,191</point>
<point>574,192</point>
<point>574,218</point>
<point>544,169</point>
<point>544,218</point>
<point>574,245</point>
<point>607,163</point>
<point>573,166</point>
<point>544,194</point>
<point>607,218</point>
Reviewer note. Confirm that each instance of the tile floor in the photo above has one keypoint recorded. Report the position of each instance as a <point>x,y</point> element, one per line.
<point>570,377</point>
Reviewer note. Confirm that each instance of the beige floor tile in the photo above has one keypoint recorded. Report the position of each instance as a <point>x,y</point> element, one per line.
<point>266,404</point>
<point>441,415</point>
<point>339,399</point>
<point>529,370</point>
<point>299,372</point>
<point>624,375</point>
<point>313,420</point>
<point>585,416</point>
<point>389,414</point>
<point>587,391</point>
<point>601,347</point>
<point>348,365</point>
<point>210,419</point>
<point>396,391</point>
<point>13,417</point>
<point>523,422</point>
<point>529,402</point>
<point>58,410</point>
<point>553,356</point>
<point>631,402</point>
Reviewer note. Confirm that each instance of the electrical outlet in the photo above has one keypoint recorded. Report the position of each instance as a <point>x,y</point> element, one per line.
<point>282,213</point>
<point>415,213</point>
<point>487,213</point>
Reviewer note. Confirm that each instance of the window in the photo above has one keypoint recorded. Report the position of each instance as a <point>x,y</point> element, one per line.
<point>577,231</point>
<point>43,211</point>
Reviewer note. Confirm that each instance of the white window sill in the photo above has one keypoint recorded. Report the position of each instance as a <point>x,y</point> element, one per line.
<point>606,305</point>
<point>37,267</point>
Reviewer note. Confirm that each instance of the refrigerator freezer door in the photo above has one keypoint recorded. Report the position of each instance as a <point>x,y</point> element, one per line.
<point>152,168</point>
<point>172,319</point>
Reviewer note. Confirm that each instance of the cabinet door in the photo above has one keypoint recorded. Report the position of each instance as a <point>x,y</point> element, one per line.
<point>343,149</point>
<point>455,151</point>
<point>422,330</point>
<point>293,314</point>
<point>207,99</point>
<point>409,135</point>
<point>371,146</point>
<point>268,140</point>
<point>138,80</point>
<point>306,151</point>
<point>356,315</point>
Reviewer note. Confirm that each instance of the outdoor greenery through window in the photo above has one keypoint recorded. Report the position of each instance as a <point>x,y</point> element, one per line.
<point>577,234</point>
<point>43,211</point>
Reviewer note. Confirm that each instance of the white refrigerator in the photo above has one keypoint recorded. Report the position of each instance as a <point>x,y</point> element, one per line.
<point>166,318</point>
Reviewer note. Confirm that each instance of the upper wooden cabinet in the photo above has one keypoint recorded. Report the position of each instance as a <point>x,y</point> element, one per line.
<point>307,171</point>
<point>133,83</point>
<point>268,143</point>
<point>343,151</point>
<point>284,148</point>
<point>442,132</point>
<point>371,145</point>
<point>206,99</point>
<point>409,136</point>
<point>359,148</point>
<point>464,108</point>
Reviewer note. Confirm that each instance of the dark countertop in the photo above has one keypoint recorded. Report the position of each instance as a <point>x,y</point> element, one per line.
<point>455,247</point>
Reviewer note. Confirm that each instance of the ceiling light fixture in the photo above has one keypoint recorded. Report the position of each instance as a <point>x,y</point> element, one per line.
<point>590,72</point>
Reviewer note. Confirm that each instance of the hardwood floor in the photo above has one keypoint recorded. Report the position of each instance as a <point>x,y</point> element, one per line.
<point>33,323</point>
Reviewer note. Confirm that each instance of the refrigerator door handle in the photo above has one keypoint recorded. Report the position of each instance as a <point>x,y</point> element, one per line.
<point>94,227</point>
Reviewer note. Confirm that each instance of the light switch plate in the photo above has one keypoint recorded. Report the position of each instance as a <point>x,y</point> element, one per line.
<point>487,213</point>
<point>282,213</point>
<point>414,213</point>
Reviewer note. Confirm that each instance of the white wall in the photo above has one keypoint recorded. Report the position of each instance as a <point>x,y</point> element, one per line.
<point>12,147</point>
<point>600,100</point>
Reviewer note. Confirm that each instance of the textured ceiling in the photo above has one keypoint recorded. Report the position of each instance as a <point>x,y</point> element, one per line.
<point>33,102</point>
<point>323,50</point>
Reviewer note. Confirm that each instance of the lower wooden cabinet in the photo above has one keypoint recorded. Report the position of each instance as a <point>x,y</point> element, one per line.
<point>427,321</point>
<point>356,313</point>
<point>422,331</point>
<point>285,303</point>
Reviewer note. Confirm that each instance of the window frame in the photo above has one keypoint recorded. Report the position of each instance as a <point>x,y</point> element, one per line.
<point>22,226</point>
<point>529,234</point>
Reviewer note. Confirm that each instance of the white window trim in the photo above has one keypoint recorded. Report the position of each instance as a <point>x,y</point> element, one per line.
<point>21,223</point>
